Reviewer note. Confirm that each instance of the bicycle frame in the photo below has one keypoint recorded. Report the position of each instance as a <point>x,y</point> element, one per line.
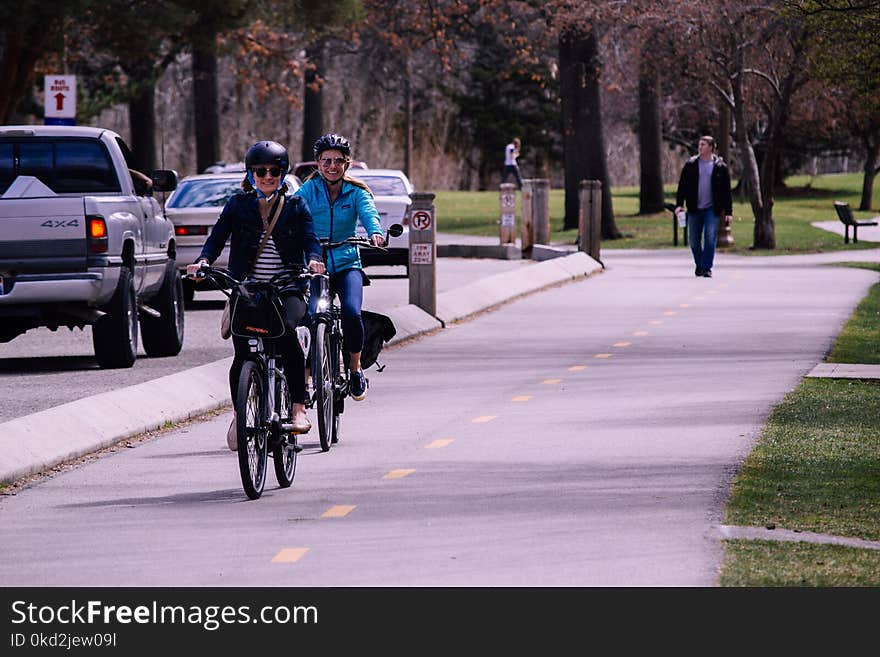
<point>260,426</point>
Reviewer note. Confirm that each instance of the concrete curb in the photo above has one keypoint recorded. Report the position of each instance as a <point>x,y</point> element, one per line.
<point>455,305</point>
<point>36,442</point>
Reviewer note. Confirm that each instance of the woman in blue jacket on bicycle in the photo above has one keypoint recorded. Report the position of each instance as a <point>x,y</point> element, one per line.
<point>337,203</point>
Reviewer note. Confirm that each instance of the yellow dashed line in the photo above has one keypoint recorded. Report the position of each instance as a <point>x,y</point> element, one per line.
<point>656,322</point>
<point>711,291</point>
<point>338,511</point>
<point>521,398</point>
<point>437,444</point>
<point>699,298</point>
<point>684,305</point>
<point>289,555</point>
<point>640,334</point>
<point>602,356</point>
<point>577,368</point>
<point>551,382</point>
<point>397,474</point>
<point>670,313</point>
<point>483,418</point>
<point>621,344</point>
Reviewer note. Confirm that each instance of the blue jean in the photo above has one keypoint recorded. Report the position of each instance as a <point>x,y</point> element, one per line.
<point>702,232</point>
<point>349,286</point>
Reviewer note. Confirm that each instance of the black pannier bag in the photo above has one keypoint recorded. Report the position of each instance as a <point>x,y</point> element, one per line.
<point>378,329</point>
<point>256,311</point>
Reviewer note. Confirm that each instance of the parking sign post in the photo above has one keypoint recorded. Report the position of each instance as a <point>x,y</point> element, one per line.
<point>423,252</point>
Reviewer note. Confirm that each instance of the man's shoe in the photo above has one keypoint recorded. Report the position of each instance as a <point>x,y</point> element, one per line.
<point>698,272</point>
<point>707,273</point>
<point>357,385</point>
<point>232,435</point>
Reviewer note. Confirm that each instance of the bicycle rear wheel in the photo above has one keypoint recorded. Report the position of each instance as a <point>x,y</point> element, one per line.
<point>253,438</point>
<point>284,449</point>
<point>323,381</point>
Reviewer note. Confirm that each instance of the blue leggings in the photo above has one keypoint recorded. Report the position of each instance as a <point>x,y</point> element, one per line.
<point>349,286</point>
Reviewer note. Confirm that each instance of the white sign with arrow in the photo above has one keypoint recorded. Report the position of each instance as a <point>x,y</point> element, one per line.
<point>60,100</point>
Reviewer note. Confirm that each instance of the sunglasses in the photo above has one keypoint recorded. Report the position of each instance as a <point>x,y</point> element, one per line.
<point>327,161</point>
<point>261,172</point>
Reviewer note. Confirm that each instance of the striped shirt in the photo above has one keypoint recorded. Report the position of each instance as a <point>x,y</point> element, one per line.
<point>269,262</point>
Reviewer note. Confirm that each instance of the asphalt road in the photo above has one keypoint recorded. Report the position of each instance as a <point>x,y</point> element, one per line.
<point>582,436</point>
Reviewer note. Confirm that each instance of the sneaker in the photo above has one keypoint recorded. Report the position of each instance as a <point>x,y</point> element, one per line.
<point>698,272</point>
<point>357,385</point>
<point>232,435</point>
<point>707,273</point>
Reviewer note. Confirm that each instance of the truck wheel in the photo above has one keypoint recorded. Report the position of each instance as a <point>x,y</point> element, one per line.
<point>163,336</point>
<point>115,335</point>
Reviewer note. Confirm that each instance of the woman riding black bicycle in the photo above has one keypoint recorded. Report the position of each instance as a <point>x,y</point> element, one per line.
<point>246,219</point>
<point>337,203</point>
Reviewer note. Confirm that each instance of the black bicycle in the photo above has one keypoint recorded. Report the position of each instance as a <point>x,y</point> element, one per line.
<point>328,360</point>
<point>263,405</point>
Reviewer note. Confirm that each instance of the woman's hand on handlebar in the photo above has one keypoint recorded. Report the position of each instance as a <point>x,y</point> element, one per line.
<point>376,239</point>
<point>316,267</point>
<point>192,270</point>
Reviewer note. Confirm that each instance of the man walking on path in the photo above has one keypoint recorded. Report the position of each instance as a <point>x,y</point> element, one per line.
<point>511,152</point>
<point>705,187</point>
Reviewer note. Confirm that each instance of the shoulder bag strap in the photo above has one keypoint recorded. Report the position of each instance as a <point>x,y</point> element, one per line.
<point>273,219</point>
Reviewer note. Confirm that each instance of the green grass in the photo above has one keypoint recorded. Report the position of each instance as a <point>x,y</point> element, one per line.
<point>805,200</point>
<point>772,563</point>
<point>816,468</point>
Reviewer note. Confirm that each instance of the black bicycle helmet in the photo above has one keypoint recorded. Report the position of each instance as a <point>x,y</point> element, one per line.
<point>331,141</point>
<point>267,153</point>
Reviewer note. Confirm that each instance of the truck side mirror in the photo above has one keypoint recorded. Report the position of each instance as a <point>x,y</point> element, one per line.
<point>164,180</point>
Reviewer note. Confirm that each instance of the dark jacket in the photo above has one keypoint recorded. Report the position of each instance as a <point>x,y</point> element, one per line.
<point>294,234</point>
<point>722,199</point>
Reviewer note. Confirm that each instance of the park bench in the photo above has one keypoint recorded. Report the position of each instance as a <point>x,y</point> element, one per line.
<point>844,213</point>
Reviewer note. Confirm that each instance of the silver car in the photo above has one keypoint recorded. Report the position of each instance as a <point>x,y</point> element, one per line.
<point>193,208</point>
<point>391,191</point>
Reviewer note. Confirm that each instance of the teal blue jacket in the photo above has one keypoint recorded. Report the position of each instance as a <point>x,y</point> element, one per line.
<point>339,220</point>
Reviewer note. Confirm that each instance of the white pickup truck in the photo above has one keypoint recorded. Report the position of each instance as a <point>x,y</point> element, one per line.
<point>84,242</point>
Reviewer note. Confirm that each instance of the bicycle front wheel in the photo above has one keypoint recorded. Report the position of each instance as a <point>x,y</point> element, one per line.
<point>284,450</point>
<point>253,438</point>
<point>322,379</point>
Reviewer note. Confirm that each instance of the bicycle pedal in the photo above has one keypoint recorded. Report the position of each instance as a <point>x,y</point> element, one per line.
<point>297,448</point>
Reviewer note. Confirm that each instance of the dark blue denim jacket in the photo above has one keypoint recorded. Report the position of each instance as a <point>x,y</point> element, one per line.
<point>294,234</point>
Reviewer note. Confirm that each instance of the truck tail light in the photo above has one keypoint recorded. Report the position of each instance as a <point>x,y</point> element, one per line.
<point>97,233</point>
<point>183,231</point>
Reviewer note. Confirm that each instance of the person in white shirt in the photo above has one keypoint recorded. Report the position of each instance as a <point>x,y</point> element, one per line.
<point>511,152</point>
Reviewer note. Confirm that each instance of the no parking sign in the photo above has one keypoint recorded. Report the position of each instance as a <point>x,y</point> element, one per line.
<point>421,220</point>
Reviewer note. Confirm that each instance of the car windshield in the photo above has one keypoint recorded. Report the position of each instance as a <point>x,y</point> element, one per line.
<point>383,185</point>
<point>204,193</point>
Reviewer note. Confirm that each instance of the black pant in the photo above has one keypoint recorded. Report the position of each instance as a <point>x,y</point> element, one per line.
<point>291,354</point>
<point>511,169</point>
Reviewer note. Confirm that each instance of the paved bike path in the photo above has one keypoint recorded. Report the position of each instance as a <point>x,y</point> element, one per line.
<point>39,441</point>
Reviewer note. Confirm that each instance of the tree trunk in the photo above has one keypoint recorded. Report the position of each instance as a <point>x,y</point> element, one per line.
<point>408,121</point>
<point>142,121</point>
<point>872,152</point>
<point>650,138</point>
<point>204,67</point>
<point>313,106</point>
<point>20,54</point>
<point>583,143</point>
<point>750,177</point>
